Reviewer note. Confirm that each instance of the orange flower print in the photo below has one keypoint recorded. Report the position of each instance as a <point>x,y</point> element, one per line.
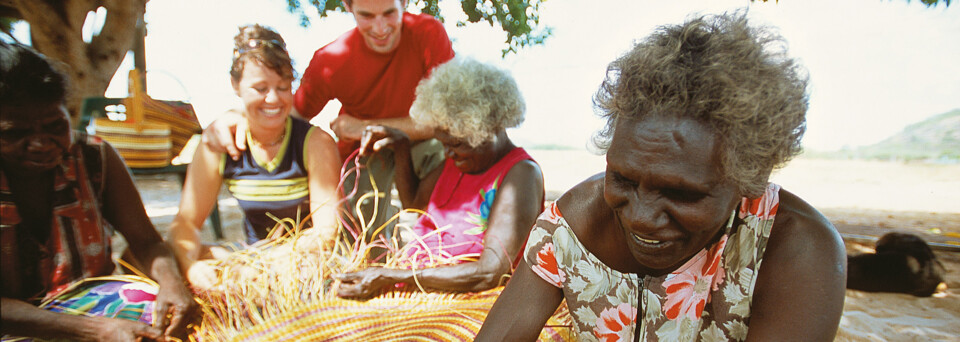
<point>765,207</point>
<point>551,214</point>
<point>688,288</point>
<point>616,324</point>
<point>547,267</point>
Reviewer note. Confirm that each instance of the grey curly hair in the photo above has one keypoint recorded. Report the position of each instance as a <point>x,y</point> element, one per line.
<point>471,100</point>
<point>718,70</point>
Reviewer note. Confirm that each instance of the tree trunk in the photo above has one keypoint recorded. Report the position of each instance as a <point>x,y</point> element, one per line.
<point>55,28</point>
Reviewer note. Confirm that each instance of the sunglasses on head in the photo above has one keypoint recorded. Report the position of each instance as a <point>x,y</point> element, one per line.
<point>254,44</point>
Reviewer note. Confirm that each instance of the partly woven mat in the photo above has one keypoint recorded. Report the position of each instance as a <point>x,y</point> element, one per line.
<point>116,296</point>
<point>283,289</point>
<point>395,316</point>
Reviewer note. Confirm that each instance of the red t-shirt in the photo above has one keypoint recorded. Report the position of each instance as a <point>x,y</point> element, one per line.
<point>372,85</point>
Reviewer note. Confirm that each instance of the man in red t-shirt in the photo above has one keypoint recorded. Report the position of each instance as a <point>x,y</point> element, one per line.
<point>373,71</point>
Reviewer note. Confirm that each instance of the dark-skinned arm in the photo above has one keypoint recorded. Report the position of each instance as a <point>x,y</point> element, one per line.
<point>413,191</point>
<point>23,319</point>
<point>802,281</point>
<point>522,309</point>
<point>123,208</point>
<point>349,127</point>
<point>512,214</point>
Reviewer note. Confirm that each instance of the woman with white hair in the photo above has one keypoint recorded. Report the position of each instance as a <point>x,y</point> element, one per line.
<point>480,205</point>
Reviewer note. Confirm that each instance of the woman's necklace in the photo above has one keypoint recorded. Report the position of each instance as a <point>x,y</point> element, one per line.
<point>272,144</point>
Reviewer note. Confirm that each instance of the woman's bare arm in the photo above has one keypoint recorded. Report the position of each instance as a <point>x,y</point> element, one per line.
<point>413,191</point>
<point>522,309</point>
<point>802,281</point>
<point>513,213</point>
<point>323,175</point>
<point>23,319</point>
<point>197,199</point>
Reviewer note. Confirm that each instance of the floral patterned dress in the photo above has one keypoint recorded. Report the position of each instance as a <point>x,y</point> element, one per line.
<point>707,299</point>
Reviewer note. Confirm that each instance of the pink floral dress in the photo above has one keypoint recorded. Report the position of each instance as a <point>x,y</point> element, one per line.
<point>707,299</point>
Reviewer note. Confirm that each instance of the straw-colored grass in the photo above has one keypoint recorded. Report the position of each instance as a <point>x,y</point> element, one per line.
<point>284,289</point>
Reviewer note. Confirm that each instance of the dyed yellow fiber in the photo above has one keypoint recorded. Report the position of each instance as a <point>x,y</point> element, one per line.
<point>284,290</point>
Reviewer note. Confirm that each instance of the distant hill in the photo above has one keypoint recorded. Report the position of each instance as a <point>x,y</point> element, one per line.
<point>935,139</point>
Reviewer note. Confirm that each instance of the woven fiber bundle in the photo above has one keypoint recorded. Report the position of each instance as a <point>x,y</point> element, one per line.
<point>285,290</point>
<point>394,316</point>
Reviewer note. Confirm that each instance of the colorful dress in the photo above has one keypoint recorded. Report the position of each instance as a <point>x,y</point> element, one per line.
<point>36,263</point>
<point>456,217</point>
<point>706,299</point>
<point>68,267</point>
<point>268,189</point>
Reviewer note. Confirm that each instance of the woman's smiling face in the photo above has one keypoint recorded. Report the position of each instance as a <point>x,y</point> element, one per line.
<point>267,97</point>
<point>34,136</point>
<point>665,184</point>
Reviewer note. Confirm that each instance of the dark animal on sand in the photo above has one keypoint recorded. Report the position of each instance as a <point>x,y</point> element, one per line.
<point>903,263</point>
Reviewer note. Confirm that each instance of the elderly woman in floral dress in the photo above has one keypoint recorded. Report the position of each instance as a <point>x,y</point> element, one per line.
<point>683,238</point>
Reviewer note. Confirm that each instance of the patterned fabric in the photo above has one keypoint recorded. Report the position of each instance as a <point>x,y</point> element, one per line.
<point>77,244</point>
<point>275,187</point>
<point>708,298</point>
<point>459,205</point>
<point>394,316</point>
<point>125,297</point>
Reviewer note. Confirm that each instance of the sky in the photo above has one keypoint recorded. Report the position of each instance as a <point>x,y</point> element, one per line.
<point>875,66</point>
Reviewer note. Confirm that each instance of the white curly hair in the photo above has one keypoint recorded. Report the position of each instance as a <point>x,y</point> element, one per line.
<point>470,100</point>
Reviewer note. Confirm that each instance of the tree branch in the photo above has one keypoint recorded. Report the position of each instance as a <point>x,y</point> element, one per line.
<point>108,48</point>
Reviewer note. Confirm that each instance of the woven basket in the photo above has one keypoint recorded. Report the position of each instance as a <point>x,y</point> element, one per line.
<point>141,144</point>
<point>153,132</point>
<point>180,117</point>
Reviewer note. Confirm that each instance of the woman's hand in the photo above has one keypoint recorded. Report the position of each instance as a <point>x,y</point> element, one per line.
<point>202,275</point>
<point>175,309</point>
<point>24,319</point>
<point>122,330</point>
<point>376,138</point>
<point>366,283</point>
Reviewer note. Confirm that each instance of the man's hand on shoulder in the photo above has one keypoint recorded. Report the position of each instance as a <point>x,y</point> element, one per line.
<point>227,134</point>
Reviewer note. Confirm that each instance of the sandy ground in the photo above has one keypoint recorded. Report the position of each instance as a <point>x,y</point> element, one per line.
<point>860,198</point>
